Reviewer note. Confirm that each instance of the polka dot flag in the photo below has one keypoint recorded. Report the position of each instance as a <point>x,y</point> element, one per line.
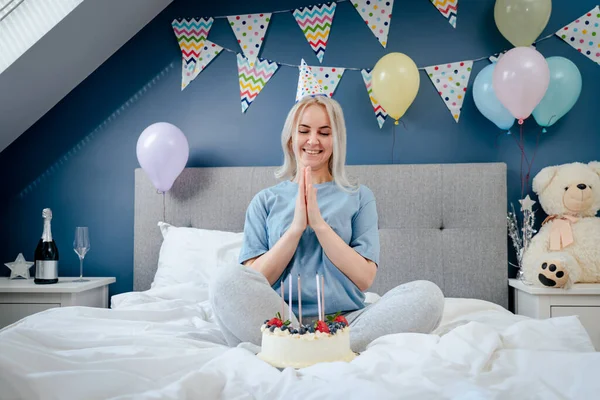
<point>208,53</point>
<point>317,80</point>
<point>250,30</point>
<point>451,81</point>
<point>584,34</point>
<point>377,14</point>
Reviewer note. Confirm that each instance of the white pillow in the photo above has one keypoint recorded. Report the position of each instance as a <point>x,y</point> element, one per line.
<point>192,254</point>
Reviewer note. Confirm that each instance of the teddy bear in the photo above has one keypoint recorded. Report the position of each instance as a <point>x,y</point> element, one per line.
<point>566,250</point>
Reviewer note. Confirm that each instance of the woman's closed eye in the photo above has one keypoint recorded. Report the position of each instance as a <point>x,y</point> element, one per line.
<point>320,133</point>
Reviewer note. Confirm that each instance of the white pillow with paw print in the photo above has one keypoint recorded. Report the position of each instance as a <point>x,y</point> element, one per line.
<point>192,254</point>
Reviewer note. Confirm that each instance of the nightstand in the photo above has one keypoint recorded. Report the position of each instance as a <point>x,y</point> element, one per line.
<point>583,300</point>
<point>21,297</point>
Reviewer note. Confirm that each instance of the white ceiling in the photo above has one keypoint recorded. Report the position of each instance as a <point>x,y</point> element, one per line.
<point>22,23</point>
<point>36,81</point>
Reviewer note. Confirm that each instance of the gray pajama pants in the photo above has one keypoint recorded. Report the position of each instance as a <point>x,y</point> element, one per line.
<point>242,299</point>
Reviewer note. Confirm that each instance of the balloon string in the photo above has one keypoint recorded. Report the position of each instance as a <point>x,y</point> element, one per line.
<point>393,140</point>
<point>394,136</point>
<point>520,145</point>
<point>537,142</point>
<point>164,208</point>
<point>522,156</point>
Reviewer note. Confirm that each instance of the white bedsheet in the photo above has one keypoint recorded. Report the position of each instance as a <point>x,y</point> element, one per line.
<point>163,344</point>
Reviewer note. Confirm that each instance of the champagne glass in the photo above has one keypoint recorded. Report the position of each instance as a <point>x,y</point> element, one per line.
<point>81,245</point>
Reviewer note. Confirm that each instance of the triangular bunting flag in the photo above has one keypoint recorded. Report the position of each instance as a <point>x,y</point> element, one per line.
<point>315,22</point>
<point>253,78</point>
<point>584,34</point>
<point>495,57</point>
<point>307,82</point>
<point>250,32</point>
<point>191,34</point>
<point>209,52</point>
<point>380,113</point>
<point>328,78</point>
<point>448,8</point>
<point>451,81</point>
<point>377,15</point>
<point>318,80</point>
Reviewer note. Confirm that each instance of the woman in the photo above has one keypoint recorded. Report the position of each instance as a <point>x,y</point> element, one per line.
<point>316,221</point>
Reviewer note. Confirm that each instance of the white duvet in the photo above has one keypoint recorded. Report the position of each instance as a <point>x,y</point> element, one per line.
<point>163,344</point>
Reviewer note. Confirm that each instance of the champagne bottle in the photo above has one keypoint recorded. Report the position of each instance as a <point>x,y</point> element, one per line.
<point>46,254</point>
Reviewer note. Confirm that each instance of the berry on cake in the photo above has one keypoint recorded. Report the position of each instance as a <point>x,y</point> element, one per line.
<point>284,345</point>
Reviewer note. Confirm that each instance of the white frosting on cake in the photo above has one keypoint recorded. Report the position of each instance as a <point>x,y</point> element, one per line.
<point>283,349</point>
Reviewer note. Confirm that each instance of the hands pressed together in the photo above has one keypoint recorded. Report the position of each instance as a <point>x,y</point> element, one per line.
<point>307,211</point>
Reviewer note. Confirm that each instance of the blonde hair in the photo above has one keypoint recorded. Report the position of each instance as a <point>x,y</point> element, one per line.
<point>337,167</point>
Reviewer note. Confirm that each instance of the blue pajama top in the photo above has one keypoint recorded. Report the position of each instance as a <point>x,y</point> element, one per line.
<point>353,216</point>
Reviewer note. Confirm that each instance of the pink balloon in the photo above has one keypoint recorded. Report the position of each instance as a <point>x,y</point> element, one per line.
<point>520,80</point>
<point>162,151</point>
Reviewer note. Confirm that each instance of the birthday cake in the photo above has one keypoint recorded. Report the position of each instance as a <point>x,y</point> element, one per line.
<point>286,346</point>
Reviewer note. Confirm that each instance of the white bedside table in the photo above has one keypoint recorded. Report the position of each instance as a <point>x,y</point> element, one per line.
<point>21,297</point>
<point>583,300</point>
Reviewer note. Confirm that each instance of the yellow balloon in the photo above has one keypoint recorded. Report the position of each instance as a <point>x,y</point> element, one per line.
<point>395,81</point>
<point>522,21</point>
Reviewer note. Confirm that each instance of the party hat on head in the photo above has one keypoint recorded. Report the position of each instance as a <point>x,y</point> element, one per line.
<point>308,85</point>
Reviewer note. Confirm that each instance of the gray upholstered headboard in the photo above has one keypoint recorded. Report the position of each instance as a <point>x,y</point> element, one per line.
<point>441,222</point>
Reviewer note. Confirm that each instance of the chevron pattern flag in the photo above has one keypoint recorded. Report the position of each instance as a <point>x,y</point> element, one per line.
<point>315,22</point>
<point>379,111</point>
<point>448,8</point>
<point>250,32</point>
<point>253,77</point>
<point>209,52</point>
<point>191,35</point>
<point>451,81</point>
<point>583,34</point>
<point>377,15</point>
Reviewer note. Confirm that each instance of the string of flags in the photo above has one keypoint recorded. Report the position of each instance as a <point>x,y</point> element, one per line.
<point>451,80</point>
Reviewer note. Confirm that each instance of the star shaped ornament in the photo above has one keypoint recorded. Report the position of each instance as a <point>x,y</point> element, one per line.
<point>19,267</point>
<point>527,203</point>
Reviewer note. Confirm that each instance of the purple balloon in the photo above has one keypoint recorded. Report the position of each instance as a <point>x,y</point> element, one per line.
<point>520,80</point>
<point>162,151</point>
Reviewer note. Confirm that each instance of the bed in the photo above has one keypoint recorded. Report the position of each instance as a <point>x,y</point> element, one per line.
<point>444,222</point>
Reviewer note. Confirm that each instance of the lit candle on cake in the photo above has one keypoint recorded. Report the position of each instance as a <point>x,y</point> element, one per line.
<point>299,301</point>
<point>290,300</point>
<point>318,297</point>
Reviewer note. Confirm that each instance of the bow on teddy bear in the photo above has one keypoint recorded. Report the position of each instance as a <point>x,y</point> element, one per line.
<point>566,250</point>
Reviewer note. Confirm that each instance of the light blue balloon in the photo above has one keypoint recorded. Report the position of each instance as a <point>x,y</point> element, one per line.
<point>486,101</point>
<point>562,94</point>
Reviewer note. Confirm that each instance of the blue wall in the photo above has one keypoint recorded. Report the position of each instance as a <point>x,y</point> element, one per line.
<point>80,157</point>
